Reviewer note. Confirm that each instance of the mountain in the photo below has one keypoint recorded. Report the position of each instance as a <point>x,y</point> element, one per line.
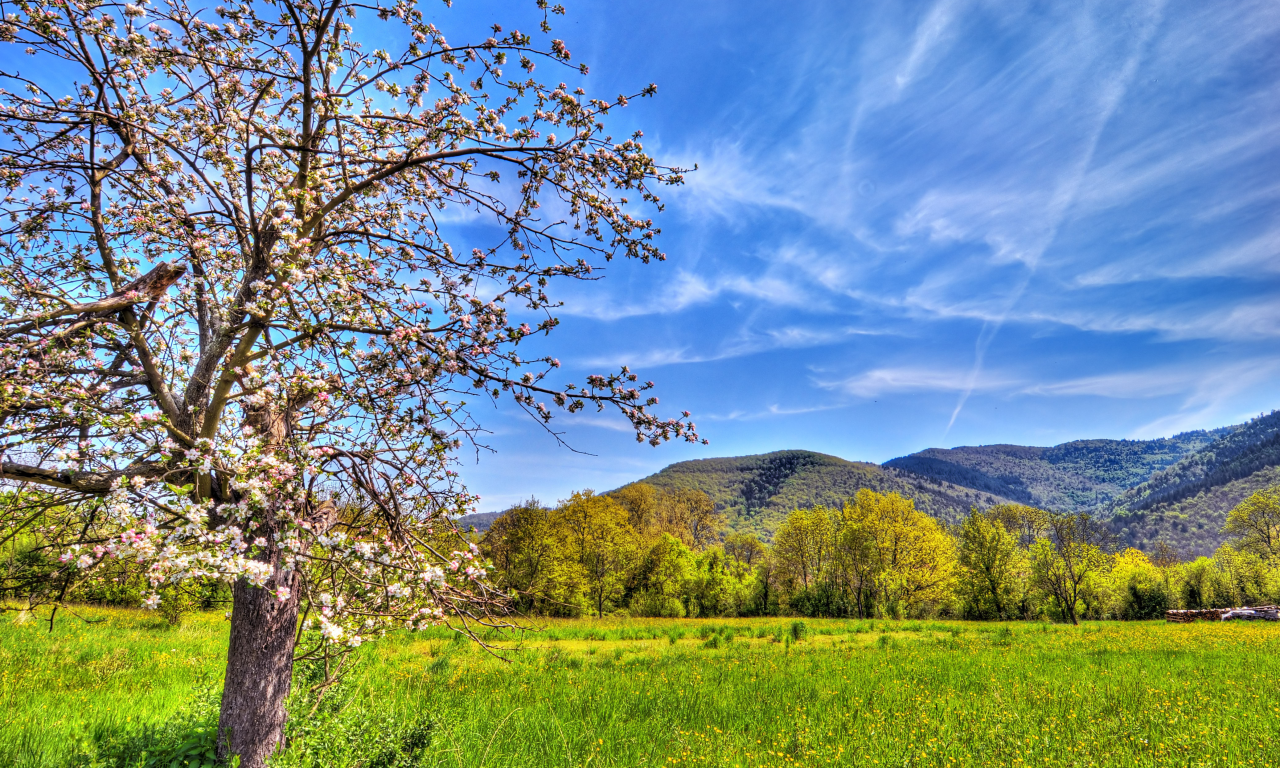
<point>1083,474</point>
<point>479,521</point>
<point>1175,490</point>
<point>1244,450</point>
<point>1188,502</point>
<point>757,492</point>
<point>1191,524</point>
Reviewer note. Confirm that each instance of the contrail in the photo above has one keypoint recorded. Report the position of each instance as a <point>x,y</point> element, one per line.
<point>1062,200</point>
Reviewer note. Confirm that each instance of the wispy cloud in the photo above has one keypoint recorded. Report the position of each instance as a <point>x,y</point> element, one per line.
<point>729,180</point>
<point>1008,188</point>
<point>747,342</point>
<point>772,411</point>
<point>1123,385</point>
<point>929,36</point>
<point>1210,399</point>
<point>687,290</point>
<point>889,381</point>
<point>1202,389</point>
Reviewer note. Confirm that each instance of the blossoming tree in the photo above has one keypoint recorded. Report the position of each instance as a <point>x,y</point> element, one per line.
<point>240,330</point>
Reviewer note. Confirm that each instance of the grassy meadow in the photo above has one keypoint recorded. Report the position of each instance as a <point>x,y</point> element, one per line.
<point>647,692</point>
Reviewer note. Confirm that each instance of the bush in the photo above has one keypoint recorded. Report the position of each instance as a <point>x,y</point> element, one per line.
<point>657,606</point>
<point>799,630</point>
<point>821,601</point>
<point>175,603</point>
<point>1140,601</point>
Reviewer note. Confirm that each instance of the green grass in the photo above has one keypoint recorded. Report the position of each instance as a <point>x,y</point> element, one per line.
<point>717,692</point>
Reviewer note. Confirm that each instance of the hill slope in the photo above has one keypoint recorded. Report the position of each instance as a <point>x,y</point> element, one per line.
<point>1191,524</point>
<point>1083,474</point>
<point>1246,449</point>
<point>1176,489</point>
<point>757,492</point>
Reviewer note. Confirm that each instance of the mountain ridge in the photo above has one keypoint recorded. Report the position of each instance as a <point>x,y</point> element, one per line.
<point>1175,490</point>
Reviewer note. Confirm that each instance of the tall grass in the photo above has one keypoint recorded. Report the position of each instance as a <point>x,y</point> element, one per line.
<point>660,692</point>
<point>85,682</point>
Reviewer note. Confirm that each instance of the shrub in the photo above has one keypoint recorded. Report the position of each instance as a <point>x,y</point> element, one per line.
<point>821,601</point>
<point>1148,601</point>
<point>799,630</point>
<point>175,603</point>
<point>657,605</point>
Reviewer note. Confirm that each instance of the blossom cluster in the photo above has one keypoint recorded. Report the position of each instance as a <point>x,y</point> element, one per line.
<point>242,344</point>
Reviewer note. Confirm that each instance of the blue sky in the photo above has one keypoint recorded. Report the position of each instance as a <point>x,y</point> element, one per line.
<point>922,224</point>
<point>929,224</point>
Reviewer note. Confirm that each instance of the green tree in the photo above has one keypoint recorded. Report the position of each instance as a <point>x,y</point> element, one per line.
<point>802,545</point>
<point>1204,586</point>
<point>529,548</point>
<point>1067,562</point>
<point>716,588</point>
<point>1137,588</point>
<point>766,588</point>
<point>661,579</point>
<point>642,502</point>
<point>1255,522</point>
<point>1027,524</point>
<point>745,549</point>
<point>991,568</point>
<point>691,516</point>
<point>915,559</point>
<point>602,542</point>
<point>1247,576</point>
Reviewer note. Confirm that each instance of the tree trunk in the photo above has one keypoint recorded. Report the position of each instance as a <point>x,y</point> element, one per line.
<point>1071,610</point>
<point>259,671</point>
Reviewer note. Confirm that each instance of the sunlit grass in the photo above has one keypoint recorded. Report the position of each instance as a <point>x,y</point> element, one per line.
<point>720,692</point>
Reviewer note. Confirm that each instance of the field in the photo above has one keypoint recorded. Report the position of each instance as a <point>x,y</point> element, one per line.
<point>690,693</point>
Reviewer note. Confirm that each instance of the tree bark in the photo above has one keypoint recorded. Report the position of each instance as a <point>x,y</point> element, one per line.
<point>259,671</point>
<point>1069,602</point>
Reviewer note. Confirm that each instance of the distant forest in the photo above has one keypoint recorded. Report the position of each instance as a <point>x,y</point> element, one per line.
<point>1087,529</point>
<point>1175,491</point>
<point>648,551</point>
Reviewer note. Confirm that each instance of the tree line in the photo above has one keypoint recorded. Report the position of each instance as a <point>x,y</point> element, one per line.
<point>646,551</point>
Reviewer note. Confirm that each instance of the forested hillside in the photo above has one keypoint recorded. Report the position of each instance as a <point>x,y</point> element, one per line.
<point>1192,525</point>
<point>1079,475</point>
<point>1246,449</point>
<point>1175,490</point>
<point>757,492</point>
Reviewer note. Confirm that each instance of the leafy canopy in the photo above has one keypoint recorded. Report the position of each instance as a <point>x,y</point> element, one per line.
<point>256,271</point>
